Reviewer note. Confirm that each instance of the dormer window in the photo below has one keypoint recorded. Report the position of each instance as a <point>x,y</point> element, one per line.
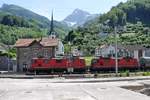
<point>53,35</point>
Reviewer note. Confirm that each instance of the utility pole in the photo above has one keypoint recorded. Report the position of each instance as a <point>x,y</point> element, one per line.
<point>8,63</point>
<point>116,46</point>
<point>116,49</point>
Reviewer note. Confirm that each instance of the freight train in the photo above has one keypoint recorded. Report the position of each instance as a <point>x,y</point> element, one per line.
<point>78,65</point>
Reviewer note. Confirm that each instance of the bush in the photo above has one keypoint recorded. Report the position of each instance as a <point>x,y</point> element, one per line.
<point>127,73</point>
<point>146,73</point>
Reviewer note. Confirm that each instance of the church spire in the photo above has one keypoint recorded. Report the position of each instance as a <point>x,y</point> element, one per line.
<point>51,32</point>
<point>52,23</point>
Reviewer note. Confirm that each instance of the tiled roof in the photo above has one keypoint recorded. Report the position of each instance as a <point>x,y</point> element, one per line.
<point>49,42</point>
<point>129,47</point>
<point>46,42</point>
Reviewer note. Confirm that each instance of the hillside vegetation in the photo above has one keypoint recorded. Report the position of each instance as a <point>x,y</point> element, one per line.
<point>130,18</point>
<point>17,22</point>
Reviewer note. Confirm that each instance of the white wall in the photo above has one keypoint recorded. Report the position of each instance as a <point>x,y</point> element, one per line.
<point>104,51</point>
<point>136,54</point>
<point>60,49</point>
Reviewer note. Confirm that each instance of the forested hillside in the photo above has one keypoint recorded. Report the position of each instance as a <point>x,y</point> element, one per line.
<point>15,10</point>
<point>17,22</point>
<point>9,34</point>
<point>130,18</point>
<point>131,11</point>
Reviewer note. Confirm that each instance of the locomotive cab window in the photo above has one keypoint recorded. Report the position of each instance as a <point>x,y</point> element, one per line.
<point>58,60</point>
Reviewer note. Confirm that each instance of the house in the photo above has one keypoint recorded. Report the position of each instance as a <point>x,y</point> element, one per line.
<point>27,49</point>
<point>136,51</point>
<point>109,50</point>
<point>104,50</point>
<point>46,47</point>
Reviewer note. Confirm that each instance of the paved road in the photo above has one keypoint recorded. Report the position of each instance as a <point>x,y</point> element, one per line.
<point>51,89</point>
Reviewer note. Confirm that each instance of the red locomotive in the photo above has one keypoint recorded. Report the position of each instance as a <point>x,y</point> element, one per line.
<point>75,64</point>
<point>105,64</point>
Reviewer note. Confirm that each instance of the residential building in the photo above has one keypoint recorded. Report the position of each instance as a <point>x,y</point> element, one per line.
<point>136,51</point>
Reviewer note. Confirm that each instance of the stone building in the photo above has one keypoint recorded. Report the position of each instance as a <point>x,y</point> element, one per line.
<point>27,49</point>
<point>46,47</point>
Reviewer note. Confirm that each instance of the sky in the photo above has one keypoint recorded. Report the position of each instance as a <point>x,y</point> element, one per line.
<point>63,8</point>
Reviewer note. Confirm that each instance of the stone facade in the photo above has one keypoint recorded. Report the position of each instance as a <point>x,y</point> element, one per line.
<point>26,54</point>
<point>28,49</point>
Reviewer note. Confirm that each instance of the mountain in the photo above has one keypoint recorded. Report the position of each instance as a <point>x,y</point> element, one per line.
<point>78,17</point>
<point>19,14</point>
<point>25,13</point>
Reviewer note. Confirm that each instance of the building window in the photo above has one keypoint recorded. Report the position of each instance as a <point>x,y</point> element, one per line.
<point>56,48</point>
<point>25,52</point>
<point>147,53</point>
<point>35,52</point>
<point>46,53</point>
<point>62,49</point>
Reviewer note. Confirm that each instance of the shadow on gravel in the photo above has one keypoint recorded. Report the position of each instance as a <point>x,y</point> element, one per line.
<point>144,89</point>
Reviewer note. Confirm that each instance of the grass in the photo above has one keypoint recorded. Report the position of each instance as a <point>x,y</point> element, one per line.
<point>127,73</point>
<point>124,73</point>
<point>88,60</point>
<point>146,73</point>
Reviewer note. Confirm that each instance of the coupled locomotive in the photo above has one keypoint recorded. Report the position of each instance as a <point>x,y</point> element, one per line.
<point>108,64</point>
<point>78,64</point>
<point>65,65</point>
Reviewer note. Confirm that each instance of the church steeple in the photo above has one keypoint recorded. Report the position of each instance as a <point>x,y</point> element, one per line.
<point>51,32</point>
<point>52,23</point>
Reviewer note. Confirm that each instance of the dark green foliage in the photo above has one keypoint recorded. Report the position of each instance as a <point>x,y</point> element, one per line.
<point>8,54</point>
<point>137,10</point>
<point>115,17</point>
<point>9,34</point>
<point>131,11</point>
<point>84,40</point>
<point>70,37</point>
<point>14,21</point>
<point>41,21</point>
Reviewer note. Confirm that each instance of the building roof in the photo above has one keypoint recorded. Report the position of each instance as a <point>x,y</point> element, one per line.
<point>128,47</point>
<point>106,46</point>
<point>46,42</point>
<point>134,47</point>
